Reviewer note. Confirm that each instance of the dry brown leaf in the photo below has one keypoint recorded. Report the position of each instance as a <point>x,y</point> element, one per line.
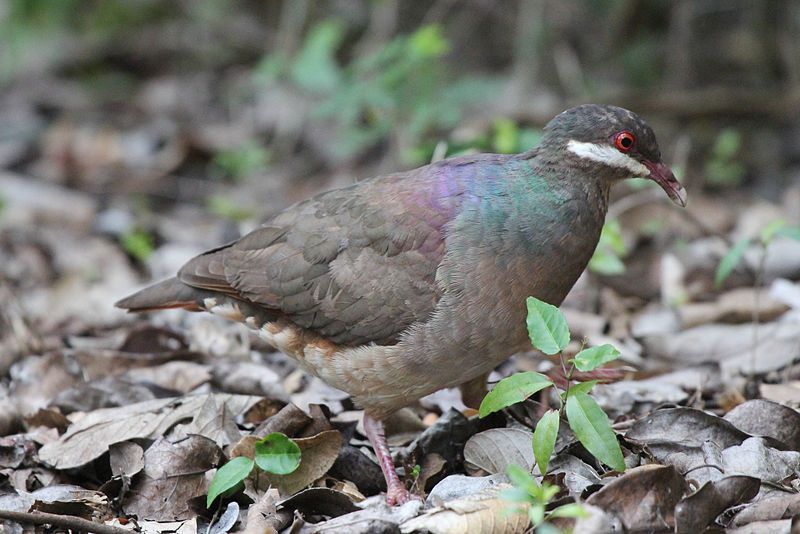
<point>644,498</point>
<point>263,516</point>
<point>495,449</point>
<point>173,474</point>
<point>90,437</point>
<point>698,510</point>
<point>759,417</point>
<point>480,513</point>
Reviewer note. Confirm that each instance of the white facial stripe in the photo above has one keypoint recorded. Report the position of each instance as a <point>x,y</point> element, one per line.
<point>608,155</point>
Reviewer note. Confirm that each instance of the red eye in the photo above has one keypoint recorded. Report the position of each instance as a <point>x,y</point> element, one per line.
<point>624,141</point>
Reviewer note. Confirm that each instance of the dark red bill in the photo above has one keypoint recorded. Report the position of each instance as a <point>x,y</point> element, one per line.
<point>662,175</point>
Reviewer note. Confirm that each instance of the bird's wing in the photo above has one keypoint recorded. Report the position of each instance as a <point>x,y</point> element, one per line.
<point>356,265</point>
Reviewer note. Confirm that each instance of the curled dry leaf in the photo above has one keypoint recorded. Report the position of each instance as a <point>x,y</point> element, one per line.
<point>460,486</point>
<point>644,498</point>
<point>755,458</point>
<point>375,516</point>
<point>126,458</point>
<point>686,426</point>
<point>263,516</point>
<point>760,417</point>
<point>480,513</point>
<point>493,450</point>
<point>227,520</point>
<point>70,500</point>
<point>698,510</point>
<point>778,505</point>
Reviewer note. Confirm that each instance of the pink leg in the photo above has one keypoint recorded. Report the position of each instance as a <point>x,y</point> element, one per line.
<point>396,493</point>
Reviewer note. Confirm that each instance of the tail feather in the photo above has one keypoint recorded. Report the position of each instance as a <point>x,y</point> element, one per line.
<point>170,293</point>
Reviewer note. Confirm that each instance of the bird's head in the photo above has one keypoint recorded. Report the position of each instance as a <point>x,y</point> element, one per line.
<point>616,140</point>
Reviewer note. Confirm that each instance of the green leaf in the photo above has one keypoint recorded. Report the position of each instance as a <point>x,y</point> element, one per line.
<point>547,327</point>
<point>769,232</point>
<point>228,476</point>
<point>593,430</point>
<point>544,439</point>
<point>277,454</point>
<point>518,475</point>
<point>573,510</point>
<point>792,232</point>
<point>730,261</point>
<point>516,388</point>
<point>593,357</point>
<point>536,513</point>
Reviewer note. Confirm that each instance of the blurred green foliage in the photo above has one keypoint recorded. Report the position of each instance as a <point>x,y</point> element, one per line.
<point>43,25</point>
<point>400,92</point>
<point>227,209</point>
<point>607,258</point>
<point>723,167</point>
<point>241,162</point>
<point>139,244</point>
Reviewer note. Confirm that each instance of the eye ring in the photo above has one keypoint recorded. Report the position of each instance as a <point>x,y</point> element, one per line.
<point>624,141</point>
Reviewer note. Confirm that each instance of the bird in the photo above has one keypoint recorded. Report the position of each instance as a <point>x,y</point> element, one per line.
<point>403,284</point>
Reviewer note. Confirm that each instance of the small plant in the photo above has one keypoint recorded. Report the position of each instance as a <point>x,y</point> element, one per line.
<point>607,257</point>
<point>275,453</point>
<point>549,333</point>
<point>536,497</point>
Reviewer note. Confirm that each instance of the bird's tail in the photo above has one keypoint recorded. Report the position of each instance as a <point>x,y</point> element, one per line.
<point>171,293</point>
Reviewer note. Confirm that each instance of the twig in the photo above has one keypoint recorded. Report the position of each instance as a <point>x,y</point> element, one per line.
<point>66,521</point>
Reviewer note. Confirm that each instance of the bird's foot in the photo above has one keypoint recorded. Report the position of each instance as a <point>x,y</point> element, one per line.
<point>396,492</point>
<point>398,495</point>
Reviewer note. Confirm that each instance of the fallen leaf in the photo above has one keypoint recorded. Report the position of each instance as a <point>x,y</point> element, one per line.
<point>173,473</point>
<point>90,437</point>
<point>698,510</point>
<point>126,458</point>
<point>780,505</point>
<point>480,513</point>
<point>644,498</point>
<point>759,417</point>
<point>493,450</point>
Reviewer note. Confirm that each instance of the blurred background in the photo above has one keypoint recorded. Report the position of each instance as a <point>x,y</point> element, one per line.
<point>136,133</point>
